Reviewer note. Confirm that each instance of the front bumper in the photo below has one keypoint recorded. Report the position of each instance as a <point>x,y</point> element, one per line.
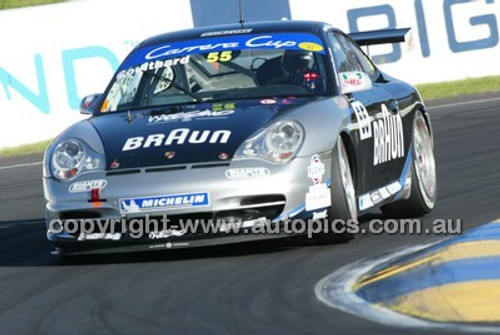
<point>275,197</point>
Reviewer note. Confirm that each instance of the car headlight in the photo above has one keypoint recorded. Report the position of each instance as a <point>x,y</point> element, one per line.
<point>277,144</point>
<point>73,157</point>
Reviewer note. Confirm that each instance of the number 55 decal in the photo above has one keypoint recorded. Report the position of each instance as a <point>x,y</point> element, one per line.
<point>222,57</point>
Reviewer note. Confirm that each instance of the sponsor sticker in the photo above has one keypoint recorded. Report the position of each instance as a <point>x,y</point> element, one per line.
<point>370,199</point>
<point>352,79</point>
<point>268,101</point>
<point>386,131</point>
<point>320,215</point>
<point>316,170</point>
<point>188,116</point>
<point>388,137</point>
<point>226,32</point>
<point>394,187</point>
<point>375,197</point>
<point>99,236</point>
<point>384,193</point>
<point>165,202</point>
<point>247,173</point>
<point>87,185</point>
<point>206,45</point>
<point>177,137</point>
<point>319,196</point>
<point>365,202</point>
<point>155,235</point>
<point>311,46</point>
<point>364,122</point>
<point>169,154</point>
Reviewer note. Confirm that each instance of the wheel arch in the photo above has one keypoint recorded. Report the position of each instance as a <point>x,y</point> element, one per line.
<point>351,154</point>
<point>421,107</point>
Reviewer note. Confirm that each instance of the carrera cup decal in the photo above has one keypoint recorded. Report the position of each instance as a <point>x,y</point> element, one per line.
<point>288,41</point>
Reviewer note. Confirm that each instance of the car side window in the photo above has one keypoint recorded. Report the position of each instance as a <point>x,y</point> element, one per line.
<point>345,61</point>
<point>349,56</point>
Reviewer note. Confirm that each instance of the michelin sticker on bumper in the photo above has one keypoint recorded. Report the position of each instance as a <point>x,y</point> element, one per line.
<point>165,202</point>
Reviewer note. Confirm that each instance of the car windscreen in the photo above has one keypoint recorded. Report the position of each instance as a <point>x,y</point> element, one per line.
<point>220,69</point>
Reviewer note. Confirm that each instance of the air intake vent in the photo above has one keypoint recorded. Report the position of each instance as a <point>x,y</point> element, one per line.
<point>167,168</point>
<point>122,172</point>
<point>209,165</point>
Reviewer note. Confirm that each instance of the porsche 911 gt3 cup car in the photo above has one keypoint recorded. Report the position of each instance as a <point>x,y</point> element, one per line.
<point>273,121</point>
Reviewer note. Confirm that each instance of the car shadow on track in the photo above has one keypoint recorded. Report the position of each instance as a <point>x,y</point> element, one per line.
<point>23,244</point>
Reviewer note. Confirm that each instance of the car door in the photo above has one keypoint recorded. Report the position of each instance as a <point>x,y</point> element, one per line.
<point>374,125</point>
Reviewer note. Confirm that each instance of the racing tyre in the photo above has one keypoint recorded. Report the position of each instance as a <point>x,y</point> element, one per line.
<point>343,206</point>
<point>423,187</point>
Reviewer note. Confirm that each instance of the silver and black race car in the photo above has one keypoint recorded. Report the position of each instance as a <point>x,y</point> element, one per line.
<point>259,123</point>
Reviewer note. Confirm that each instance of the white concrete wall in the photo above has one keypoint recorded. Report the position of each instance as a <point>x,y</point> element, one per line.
<point>55,54</point>
<point>475,53</point>
<point>97,35</point>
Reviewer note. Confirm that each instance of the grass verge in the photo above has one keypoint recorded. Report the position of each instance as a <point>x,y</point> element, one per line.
<point>25,149</point>
<point>8,4</point>
<point>449,89</point>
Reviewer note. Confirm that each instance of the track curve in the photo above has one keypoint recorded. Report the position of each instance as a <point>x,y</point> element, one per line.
<point>244,289</point>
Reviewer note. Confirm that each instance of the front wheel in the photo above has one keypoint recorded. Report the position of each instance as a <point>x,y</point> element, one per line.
<point>424,186</point>
<point>343,209</point>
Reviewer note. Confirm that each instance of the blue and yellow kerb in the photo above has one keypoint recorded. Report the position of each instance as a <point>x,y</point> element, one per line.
<point>457,280</point>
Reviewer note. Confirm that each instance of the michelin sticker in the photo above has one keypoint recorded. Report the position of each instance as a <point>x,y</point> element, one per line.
<point>166,202</point>
<point>87,186</point>
<point>247,173</point>
<point>319,195</point>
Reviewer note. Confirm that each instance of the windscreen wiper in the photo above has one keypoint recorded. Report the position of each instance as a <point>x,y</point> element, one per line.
<point>175,85</point>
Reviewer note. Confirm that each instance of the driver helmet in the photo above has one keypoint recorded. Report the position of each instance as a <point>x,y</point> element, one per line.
<point>295,61</point>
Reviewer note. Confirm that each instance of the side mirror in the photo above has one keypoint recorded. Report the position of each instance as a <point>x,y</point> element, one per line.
<point>351,82</point>
<point>88,104</point>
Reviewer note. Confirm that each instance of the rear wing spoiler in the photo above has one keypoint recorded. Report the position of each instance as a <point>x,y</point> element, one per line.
<point>385,36</point>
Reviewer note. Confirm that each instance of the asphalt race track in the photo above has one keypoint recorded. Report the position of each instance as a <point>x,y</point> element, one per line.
<point>244,289</point>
